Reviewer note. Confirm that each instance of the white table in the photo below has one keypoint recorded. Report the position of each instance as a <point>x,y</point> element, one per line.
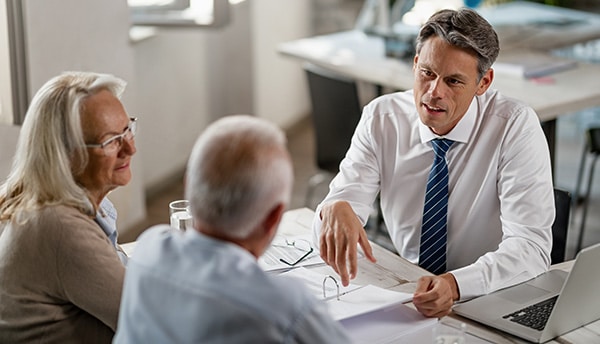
<point>362,57</point>
<point>395,273</point>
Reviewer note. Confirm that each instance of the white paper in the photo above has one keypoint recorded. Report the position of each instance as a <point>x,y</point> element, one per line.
<point>354,299</point>
<point>281,248</point>
<point>364,300</point>
<point>390,325</point>
<point>128,248</point>
<point>531,64</point>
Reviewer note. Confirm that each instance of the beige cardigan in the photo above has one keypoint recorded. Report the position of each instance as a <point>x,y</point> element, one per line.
<point>60,280</point>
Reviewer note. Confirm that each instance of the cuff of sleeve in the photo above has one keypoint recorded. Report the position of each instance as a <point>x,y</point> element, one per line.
<point>316,226</point>
<point>469,281</point>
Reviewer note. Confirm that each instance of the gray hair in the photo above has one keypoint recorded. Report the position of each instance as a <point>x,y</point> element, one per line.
<point>239,169</point>
<point>466,29</point>
<point>51,148</point>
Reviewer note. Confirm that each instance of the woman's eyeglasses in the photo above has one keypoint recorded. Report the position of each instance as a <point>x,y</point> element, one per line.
<point>114,144</point>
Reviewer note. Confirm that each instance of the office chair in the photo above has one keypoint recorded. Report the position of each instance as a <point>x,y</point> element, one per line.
<point>591,146</point>
<point>336,111</point>
<point>560,227</point>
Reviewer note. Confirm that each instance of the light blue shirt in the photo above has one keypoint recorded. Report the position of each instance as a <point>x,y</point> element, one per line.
<point>106,218</point>
<point>185,287</point>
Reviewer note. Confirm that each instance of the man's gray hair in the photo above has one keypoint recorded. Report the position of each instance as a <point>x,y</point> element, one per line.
<point>51,149</point>
<point>466,29</point>
<point>239,169</point>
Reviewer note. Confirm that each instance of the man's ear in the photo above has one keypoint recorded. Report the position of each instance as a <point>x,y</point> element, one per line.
<point>485,82</point>
<point>415,60</point>
<point>272,219</point>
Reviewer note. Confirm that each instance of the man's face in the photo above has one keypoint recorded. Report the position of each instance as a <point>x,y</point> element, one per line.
<point>445,84</point>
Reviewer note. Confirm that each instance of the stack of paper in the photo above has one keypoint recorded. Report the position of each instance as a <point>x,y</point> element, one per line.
<point>531,64</point>
<point>370,314</point>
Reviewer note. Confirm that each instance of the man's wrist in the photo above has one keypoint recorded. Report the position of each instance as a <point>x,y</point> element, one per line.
<point>453,285</point>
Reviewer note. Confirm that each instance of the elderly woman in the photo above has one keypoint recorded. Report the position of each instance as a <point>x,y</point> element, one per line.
<point>61,272</point>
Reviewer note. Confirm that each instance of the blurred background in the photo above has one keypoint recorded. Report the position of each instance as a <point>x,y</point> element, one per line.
<point>189,62</point>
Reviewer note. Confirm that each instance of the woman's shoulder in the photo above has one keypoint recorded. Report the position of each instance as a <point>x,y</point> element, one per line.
<point>61,218</point>
<point>61,214</point>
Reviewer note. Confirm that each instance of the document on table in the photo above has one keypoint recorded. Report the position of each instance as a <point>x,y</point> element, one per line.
<point>128,248</point>
<point>290,249</point>
<point>369,313</point>
<point>346,302</point>
<point>531,64</point>
<point>396,324</point>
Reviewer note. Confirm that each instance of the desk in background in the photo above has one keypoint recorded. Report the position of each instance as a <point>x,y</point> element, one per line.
<point>395,273</point>
<point>362,57</point>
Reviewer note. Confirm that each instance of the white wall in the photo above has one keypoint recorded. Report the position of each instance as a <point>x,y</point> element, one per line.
<point>5,82</point>
<point>83,35</point>
<point>178,81</point>
<point>190,77</point>
<point>280,90</point>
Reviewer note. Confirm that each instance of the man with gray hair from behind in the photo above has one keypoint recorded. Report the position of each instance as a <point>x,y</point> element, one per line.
<point>204,285</point>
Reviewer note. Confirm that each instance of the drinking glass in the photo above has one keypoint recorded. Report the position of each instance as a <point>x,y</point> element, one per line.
<point>446,334</point>
<point>179,212</point>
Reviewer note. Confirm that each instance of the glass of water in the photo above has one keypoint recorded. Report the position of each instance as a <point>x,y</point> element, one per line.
<point>448,334</point>
<point>179,212</point>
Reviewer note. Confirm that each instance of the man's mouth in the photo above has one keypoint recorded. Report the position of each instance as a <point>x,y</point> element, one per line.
<point>433,108</point>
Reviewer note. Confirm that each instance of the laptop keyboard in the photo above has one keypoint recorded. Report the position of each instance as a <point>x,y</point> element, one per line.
<point>534,316</point>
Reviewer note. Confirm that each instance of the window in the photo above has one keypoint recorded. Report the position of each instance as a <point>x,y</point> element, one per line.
<point>179,13</point>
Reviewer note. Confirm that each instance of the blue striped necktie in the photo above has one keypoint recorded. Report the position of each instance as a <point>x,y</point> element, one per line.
<point>432,250</point>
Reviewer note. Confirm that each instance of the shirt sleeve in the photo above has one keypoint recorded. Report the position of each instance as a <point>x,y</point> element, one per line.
<point>89,269</point>
<point>526,213</point>
<point>358,179</point>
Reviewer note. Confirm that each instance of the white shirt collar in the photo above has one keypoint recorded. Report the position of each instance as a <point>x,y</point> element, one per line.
<point>460,133</point>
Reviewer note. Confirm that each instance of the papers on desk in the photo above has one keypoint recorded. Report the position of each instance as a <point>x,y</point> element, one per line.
<point>128,248</point>
<point>369,313</point>
<point>290,249</point>
<point>531,64</point>
<point>353,299</point>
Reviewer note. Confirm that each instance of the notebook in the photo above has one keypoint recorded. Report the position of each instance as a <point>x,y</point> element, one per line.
<point>571,300</point>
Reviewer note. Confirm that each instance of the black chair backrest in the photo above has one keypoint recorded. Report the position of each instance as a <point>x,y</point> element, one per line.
<point>562,200</point>
<point>593,137</point>
<point>335,113</point>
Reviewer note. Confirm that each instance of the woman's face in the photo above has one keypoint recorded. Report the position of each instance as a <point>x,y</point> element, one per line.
<point>103,117</point>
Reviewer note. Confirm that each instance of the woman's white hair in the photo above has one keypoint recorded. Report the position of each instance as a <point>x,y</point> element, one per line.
<point>238,171</point>
<point>51,148</point>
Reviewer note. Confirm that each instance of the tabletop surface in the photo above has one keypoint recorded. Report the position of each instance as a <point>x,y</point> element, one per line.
<point>395,273</point>
<point>361,56</point>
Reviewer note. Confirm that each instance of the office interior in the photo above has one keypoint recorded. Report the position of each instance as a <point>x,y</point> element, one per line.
<point>181,78</point>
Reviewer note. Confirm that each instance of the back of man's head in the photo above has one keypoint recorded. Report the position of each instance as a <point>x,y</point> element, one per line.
<point>238,171</point>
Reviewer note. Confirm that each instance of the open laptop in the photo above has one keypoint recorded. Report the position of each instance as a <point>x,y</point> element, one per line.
<point>575,296</point>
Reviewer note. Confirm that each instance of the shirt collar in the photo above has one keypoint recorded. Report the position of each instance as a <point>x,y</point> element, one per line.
<point>460,133</point>
<point>194,237</point>
<point>106,217</point>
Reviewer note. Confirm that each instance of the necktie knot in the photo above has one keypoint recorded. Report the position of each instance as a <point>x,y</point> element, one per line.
<point>441,146</point>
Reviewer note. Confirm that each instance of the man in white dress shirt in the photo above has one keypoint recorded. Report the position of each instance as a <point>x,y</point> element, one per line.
<point>500,205</point>
<point>204,285</point>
